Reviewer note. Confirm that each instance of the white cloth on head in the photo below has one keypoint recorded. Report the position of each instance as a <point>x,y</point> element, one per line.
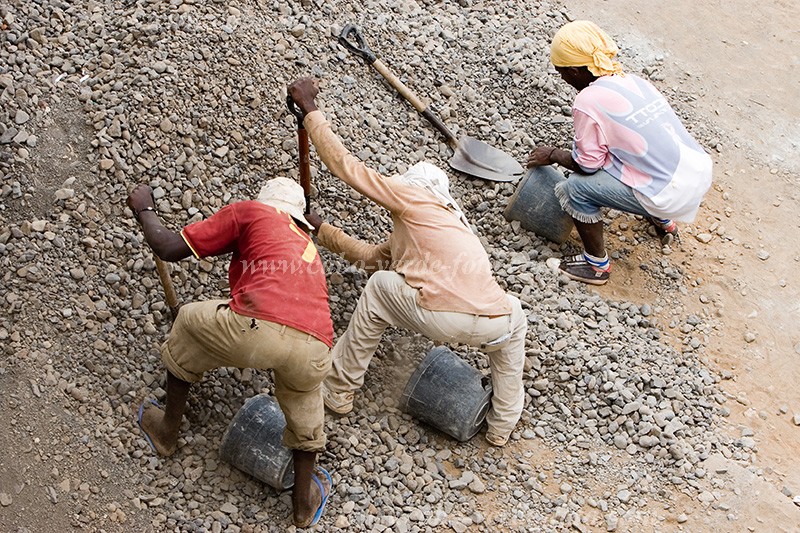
<point>286,195</point>
<point>434,180</point>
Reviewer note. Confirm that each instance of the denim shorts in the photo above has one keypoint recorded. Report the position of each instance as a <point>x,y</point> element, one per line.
<point>582,196</point>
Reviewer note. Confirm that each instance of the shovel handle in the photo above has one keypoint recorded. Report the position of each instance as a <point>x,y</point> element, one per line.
<point>422,107</point>
<point>350,32</point>
<point>303,148</point>
<point>419,104</point>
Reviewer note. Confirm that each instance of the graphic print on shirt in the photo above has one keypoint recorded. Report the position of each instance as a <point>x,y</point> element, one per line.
<point>642,133</point>
<point>311,251</point>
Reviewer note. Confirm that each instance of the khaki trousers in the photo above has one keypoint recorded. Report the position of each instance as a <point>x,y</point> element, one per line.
<point>208,335</point>
<point>388,300</point>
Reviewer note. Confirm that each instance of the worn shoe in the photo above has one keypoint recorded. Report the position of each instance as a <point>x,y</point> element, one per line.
<point>495,439</point>
<point>340,403</point>
<point>577,268</point>
<point>667,233</point>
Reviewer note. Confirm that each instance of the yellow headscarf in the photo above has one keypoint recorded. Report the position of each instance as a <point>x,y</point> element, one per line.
<point>584,44</point>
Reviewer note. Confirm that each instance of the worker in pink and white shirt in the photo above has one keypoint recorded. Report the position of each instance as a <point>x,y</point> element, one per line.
<point>630,151</point>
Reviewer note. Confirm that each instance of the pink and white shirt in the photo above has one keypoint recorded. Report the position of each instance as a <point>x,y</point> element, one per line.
<point>624,126</point>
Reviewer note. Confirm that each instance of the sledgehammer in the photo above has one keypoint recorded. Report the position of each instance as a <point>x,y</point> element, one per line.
<point>164,274</point>
<point>302,146</point>
<point>169,288</point>
<point>137,204</point>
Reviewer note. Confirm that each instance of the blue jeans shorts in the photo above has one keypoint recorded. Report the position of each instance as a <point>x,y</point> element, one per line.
<point>582,196</point>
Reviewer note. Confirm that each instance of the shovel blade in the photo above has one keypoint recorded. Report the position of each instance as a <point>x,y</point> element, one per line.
<point>481,160</point>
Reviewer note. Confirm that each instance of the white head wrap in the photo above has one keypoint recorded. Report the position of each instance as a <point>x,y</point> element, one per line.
<point>286,195</point>
<point>434,180</point>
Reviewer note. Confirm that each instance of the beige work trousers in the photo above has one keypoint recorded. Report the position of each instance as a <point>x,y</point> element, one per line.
<point>209,334</point>
<point>388,300</point>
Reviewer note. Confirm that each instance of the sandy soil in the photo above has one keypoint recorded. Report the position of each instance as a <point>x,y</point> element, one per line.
<point>739,61</point>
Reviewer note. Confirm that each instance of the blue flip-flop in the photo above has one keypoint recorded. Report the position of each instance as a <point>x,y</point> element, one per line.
<point>139,420</point>
<point>321,508</point>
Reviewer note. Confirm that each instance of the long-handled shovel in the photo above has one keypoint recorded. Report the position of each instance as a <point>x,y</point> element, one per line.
<point>470,156</point>
<point>302,146</point>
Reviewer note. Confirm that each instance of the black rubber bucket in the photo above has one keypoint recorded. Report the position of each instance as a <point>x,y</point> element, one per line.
<point>535,206</point>
<point>253,442</point>
<point>447,393</point>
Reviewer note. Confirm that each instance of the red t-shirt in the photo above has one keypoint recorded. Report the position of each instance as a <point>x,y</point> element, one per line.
<point>275,274</point>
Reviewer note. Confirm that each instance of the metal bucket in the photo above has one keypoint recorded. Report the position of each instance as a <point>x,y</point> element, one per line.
<point>535,206</point>
<point>447,393</point>
<point>253,442</point>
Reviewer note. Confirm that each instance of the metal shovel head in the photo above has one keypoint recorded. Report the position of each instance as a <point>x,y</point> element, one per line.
<point>479,159</point>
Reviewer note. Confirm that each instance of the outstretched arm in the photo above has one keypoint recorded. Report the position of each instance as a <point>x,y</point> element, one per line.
<point>166,244</point>
<point>370,257</point>
<point>336,156</point>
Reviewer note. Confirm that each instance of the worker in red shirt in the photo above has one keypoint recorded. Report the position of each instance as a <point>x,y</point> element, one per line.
<point>277,317</point>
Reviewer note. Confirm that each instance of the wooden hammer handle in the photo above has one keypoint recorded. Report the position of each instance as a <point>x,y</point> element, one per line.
<point>166,282</point>
<point>305,165</point>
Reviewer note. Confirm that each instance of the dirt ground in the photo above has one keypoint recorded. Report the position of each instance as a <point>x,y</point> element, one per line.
<point>740,61</point>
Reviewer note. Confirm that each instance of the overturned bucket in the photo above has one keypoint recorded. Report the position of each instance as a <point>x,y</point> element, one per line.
<point>535,206</point>
<point>253,442</point>
<point>447,393</point>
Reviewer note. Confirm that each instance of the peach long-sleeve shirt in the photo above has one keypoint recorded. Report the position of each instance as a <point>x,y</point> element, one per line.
<point>430,246</point>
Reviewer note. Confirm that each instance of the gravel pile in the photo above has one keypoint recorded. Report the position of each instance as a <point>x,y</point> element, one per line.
<point>189,97</point>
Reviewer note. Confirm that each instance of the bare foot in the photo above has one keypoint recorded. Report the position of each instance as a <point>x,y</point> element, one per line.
<point>152,424</point>
<point>304,517</point>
